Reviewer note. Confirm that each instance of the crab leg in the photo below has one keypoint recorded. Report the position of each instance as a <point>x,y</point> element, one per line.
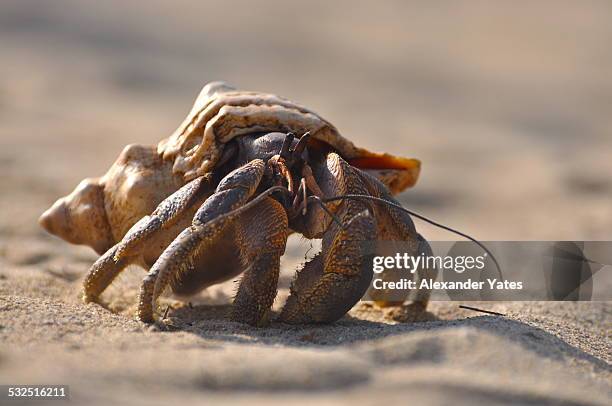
<point>422,296</point>
<point>164,216</point>
<point>407,232</point>
<point>127,251</point>
<point>101,274</point>
<point>332,282</point>
<point>262,236</point>
<point>210,220</point>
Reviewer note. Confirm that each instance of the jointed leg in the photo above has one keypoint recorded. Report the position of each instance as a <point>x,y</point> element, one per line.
<point>422,297</point>
<point>406,231</point>
<point>109,265</point>
<point>262,236</point>
<point>332,282</point>
<point>101,274</point>
<point>209,221</point>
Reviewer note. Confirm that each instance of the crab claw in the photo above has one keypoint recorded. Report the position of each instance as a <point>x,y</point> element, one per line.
<point>79,218</point>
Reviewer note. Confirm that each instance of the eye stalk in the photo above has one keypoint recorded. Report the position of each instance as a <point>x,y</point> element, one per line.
<point>285,151</point>
<point>301,146</point>
<point>294,155</point>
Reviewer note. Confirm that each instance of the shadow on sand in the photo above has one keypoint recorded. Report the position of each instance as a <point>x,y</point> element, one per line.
<point>210,322</point>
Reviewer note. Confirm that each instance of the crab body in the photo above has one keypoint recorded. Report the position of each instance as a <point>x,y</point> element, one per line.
<point>220,196</point>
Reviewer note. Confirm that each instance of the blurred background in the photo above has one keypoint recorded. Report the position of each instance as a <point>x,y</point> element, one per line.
<point>508,105</point>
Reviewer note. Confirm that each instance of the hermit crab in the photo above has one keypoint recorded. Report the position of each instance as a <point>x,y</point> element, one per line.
<point>219,197</point>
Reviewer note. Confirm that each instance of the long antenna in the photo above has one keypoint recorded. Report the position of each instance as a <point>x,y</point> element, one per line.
<point>322,201</point>
<point>412,213</point>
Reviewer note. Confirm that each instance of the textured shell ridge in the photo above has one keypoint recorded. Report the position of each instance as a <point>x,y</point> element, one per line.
<point>221,113</point>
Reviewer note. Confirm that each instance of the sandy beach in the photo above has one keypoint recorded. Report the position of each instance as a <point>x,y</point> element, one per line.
<point>507,106</point>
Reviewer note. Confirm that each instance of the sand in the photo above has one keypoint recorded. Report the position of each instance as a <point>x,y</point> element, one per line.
<point>507,106</point>
<point>539,353</point>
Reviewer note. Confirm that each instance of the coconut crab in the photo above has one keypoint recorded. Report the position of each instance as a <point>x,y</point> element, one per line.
<point>238,176</point>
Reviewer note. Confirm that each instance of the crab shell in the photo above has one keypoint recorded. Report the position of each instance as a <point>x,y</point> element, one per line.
<point>221,113</point>
<point>101,210</point>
